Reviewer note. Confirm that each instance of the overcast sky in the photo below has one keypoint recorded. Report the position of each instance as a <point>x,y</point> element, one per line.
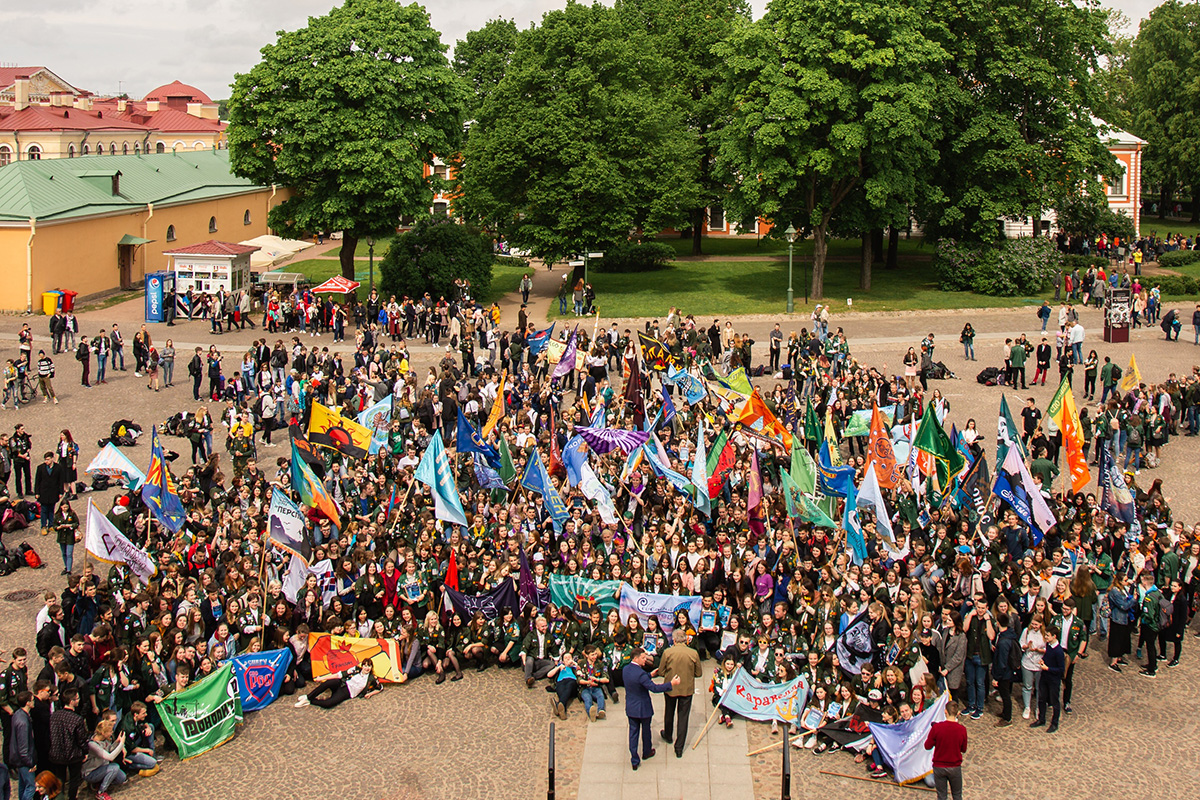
<point>135,45</point>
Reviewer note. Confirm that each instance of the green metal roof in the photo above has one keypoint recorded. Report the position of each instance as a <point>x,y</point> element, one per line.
<point>134,240</point>
<point>65,188</point>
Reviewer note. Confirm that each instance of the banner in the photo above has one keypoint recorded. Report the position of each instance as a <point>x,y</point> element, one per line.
<point>854,646</point>
<point>492,603</point>
<point>286,526</point>
<point>663,606</point>
<point>749,697</point>
<point>583,595</point>
<point>338,433</point>
<point>378,420</point>
<point>555,350</point>
<point>902,745</point>
<point>260,676</point>
<point>859,423</point>
<point>204,715</point>
<point>333,654</point>
<point>104,542</point>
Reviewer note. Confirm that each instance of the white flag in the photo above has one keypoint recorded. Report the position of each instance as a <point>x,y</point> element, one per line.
<point>593,489</point>
<point>104,542</point>
<point>869,494</point>
<point>1042,515</point>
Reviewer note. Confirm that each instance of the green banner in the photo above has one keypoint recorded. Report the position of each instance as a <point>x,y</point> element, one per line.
<point>203,715</point>
<point>582,595</point>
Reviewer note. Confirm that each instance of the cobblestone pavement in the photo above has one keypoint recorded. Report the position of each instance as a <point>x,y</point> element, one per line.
<point>500,753</point>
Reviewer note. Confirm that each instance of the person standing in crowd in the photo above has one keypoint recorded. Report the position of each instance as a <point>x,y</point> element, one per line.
<point>1053,665</point>
<point>19,446</point>
<point>948,741</point>
<point>638,708</point>
<point>681,666</point>
<point>83,354</point>
<point>45,371</point>
<point>68,742</point>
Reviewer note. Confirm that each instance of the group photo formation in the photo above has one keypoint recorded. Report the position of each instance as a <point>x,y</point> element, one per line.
<point>707,399</point>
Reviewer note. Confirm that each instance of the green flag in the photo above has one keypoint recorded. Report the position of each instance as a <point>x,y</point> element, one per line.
<point>812,513</point>
<point>507,470</point>
<point>931,438</point>
<point>203,715</point>
<point>812,426</point>
<point>799,504</point>
<point>714,455</point>
<point>1006,434</point>
<point>804,471</point>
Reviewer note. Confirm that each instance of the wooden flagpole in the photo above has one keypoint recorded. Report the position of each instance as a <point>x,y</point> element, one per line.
<point>893,784</point>
<point>707,725</point>
<point>773,745</point>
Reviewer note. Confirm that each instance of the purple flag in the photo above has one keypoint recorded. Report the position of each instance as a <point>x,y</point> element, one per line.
<point>605,440</point>
<point>528,588</point>
<point>567,362</point>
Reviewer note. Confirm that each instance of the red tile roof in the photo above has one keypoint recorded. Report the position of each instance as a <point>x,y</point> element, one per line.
<point>9,75</point>
<point>49,118</point>
<point>213,248</point>
<point>177,89</point>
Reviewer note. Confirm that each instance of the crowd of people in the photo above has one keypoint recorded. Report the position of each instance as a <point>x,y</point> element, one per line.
<point>974,608</point>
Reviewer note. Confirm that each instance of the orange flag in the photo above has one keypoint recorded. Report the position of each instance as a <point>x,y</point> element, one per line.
<point>1065,415</point>
<point>882,456</point>
<point>755,415</point>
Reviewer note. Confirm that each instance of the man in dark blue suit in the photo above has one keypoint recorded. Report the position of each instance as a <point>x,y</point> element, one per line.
<point>638,709</point>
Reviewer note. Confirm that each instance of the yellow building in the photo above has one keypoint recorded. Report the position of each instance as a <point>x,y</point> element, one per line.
<point>100,224</point>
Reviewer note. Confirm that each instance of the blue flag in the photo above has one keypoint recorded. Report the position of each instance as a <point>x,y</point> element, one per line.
<point>469,441</point>
<point>377,419</point>
<point>488,478</point>
<point>574,456</point>
<point>537,342</point>
<point>1013,493</point>
<point>537,480</point>
<point>260,676</point>
<point>854,534</point>
<point>158,493</point>
<point>831,480</point>
<point>664,470</point>
<point>668,408</point>
<point>435,472</point>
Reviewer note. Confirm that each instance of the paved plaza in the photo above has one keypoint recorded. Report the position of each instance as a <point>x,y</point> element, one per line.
<point>486,736</point>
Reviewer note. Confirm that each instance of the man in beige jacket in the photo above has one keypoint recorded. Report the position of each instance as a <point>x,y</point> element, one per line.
<point>683,662</point>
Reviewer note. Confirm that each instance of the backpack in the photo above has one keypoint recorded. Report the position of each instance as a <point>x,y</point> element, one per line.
<point>1014,657</point>
<point>1166,610</point>
<point>1116,372</point>
<point>1135,438</point>
<point>32,559</point>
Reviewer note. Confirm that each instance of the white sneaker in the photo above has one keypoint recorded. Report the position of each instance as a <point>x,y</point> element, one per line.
<point>1025,714</point>
<point>302,702</point>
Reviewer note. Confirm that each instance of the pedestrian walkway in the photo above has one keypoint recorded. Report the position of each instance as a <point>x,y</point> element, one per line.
<point>717,769</point>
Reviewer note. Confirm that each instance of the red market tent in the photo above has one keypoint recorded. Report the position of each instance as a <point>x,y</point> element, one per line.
<point>337,285</point>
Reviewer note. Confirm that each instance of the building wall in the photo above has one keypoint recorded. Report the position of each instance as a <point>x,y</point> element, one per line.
<point>57,144</point>
<point>81,255</point>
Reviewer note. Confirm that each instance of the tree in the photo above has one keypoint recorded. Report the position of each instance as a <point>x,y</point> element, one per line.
<point>482,59</point>
<point>823,90</point>
<point>1165,75</point>
<point>346,113</point>
<point>431,256</point>
<point>1089,215</point>
<point>1016,105</point>
<point>685,33</point>
<point>577,147</point>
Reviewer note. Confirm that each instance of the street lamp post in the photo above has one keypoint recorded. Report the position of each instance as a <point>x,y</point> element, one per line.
<point>371,257</point>
<point>790,234</point>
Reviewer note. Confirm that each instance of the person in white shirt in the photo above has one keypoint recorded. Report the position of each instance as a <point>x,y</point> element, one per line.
<point>343,686</point>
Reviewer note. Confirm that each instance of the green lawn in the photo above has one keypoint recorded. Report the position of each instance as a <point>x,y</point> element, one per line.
<point>721,288</point>
<point>381,247</point>
<point>1151,224</point>
<point>317,270</point>
<point>752,246</point>
<point>506,278</point>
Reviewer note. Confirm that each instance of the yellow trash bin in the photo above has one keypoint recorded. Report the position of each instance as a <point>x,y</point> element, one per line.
<point>50,302</point>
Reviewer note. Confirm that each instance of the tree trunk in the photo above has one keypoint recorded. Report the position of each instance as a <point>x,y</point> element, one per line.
<point>346,255</point>
<point>1164,197</point>
<point>1195,205</point>
<point>698,232</point>
<point>877,245</point>
<point>864,273</point>
<point>893,247</point>
<point>820,248</point>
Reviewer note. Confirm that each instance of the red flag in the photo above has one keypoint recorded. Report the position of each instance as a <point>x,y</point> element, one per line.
<point>882,456</point>
<point>452,573</point>
<point>555,466</point>
<point>724,465</point>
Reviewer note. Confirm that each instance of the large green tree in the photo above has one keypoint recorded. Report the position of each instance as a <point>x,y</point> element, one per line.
<point>578,147</point>
<point>346,112</point>
<point>824,91</point>
<point>1164,67</point>
<point>1015,105</point>
<point>482,59</point>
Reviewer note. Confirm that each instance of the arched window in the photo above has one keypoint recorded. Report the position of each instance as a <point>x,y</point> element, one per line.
<point>5,155</point>
<point>34,153</point>
<point>112,148</point>
<point>160,148</point>
<point>71,151</point>
<point>212,224</point>
<point>125,148</point>
<point>198,146</point>
<point>137,148</point>
<point>87,150</point>
<point>246,217</point>
<point>170,233</point>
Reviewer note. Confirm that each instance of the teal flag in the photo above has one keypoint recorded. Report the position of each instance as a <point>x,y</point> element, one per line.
<point>205,714</point>
<point>583,595</point>
<point>1007,434</point>
<point>537,480</point>
<point>435,472</point>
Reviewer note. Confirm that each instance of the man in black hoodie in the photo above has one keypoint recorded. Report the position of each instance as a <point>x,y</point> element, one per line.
<point>1006,645</point>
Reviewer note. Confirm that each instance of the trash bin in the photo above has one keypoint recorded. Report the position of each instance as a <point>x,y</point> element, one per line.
<point>50,302</point>
<point>68,300</point>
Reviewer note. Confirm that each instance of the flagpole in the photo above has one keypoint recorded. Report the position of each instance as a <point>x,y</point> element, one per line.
<point>707,725</point>
<point>262,581</point>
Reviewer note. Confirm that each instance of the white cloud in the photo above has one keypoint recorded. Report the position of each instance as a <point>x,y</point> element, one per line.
<point>135,45</point>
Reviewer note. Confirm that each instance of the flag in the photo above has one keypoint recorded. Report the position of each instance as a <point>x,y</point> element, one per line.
<point>378,420</point>
<point>738,382</point>
<point>104,542</point>
<point>497,407</point>
<point>931,438</point>
<point>1006,433</point>
<point>260,676</point>
<point>468,440</point>
<point>812,427</point>
<point>556,465</point>
<point>1023,495</point>
<point>204,715</point>
<point>692,387</point>
<point>599,414</point>
<point>700,497</point>
<point>804,470</point>
<point>566,362</point>
<point>835,453</point>
<point>1062,410</point>
<point>633,394</point>
<point>537,480</point>
<point>871,494</point>
<point>451,579</point>
<point>854,646</point>
<point>902,744</point>
<point>595,490</point>
<point>492,602</point>
<point>574,457</point>
<point>487,477</point>
<point>1132,377</point>
<point>327,429</point>
<point>537,341</point>
<point>789,409</point>
<point>661,465</point>
<point>831,480</point>
<point>158,492</point>
<point>749,697</point>
<point>881,453</point>
<point>721,462</point>
<point>297,574</point>
<point>654,353</point>
<point>811,513</point>
<point>435,472</point>
<point>582,595</point>
<point>605,440</point>
<point>632,462</point>
<point>973,490</point>
<point>112,463</point>
<point>312,491</point>
<point>755,511</point>
<point>668,408</point>
<point>508,470</point>
<point>527,588</point>
<point>644,605</point>
<point>854,534</point>
<point>304,447</point>
<point>286,526</point>
<point>1115,496</point>
<point>755,415</point>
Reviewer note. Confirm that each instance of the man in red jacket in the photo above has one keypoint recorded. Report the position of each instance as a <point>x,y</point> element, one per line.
<point>948,741</point>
